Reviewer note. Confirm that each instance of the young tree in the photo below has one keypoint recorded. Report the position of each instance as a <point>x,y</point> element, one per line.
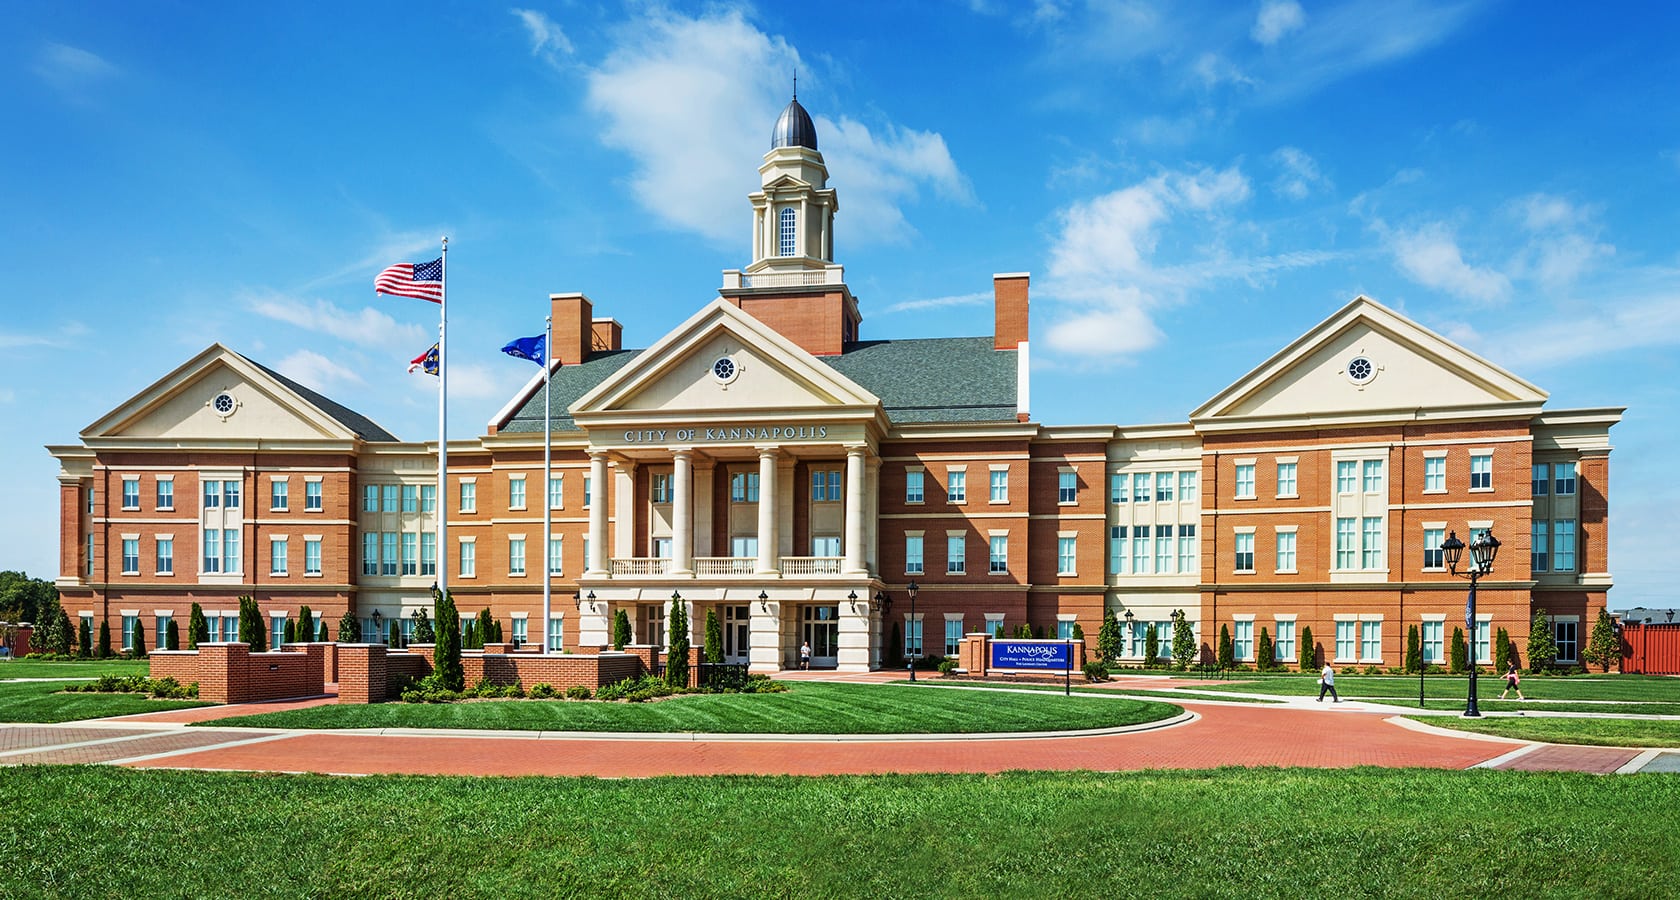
<point>394,638</point>
<point>423,633</point>
<point>104,639</point>
<point>1308,651</point>
<point>1076,632</point>
<point>446,655</point>
<point>621,629</point>
<point>1603,647</point>
<point>84,639</point>
<point>1460,654</point>
<point>486,627</point>
<point>996,632</point>
<point>1542,647</point>
<point>198,630</point>
<point>349,628</point>
<point>469,635</point>
<point>172,640</point>
<point>676,660</point>
<point>305,631</point>
<point>1151,646</point>
<point>1501,650</point>
<point>714,638</point>
<point>288,632</point>
<point>138,645</point>
<point>1263,653</point>
<point>1414,651</point>
<point>1183,641</point>
<point>251,630</point>
<point>1227,654</point>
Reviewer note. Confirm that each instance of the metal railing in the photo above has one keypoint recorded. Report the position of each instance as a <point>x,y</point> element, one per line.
<point>716,676</point>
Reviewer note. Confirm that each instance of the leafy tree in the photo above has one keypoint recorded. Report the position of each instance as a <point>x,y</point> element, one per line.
<point>1603,647</point>
<point>1109,640</point>
<point>104,639</point>
<point>486,627</point>
<point>446,655</point>
<point>1460,654</point>
<point>84,639</point>
<point>423,633</point>
<point>1542,647</point>
<point>138,645</point>
<point>306,624</point>
<point>1263,654</point>
<point>1227,653</point>
<point>288,633</point>
<point>714,638</point>
<point>469,635</point>
<point>350,628</point>
<point>198,630</point>
<point>251,630</point>
<point>25,599</point>
<point>676,665</point>
<point>1414,650</point>
<point>1151,645</point>
<point>1308,650</point>
<point>173,636</point>
<point>621,629</point>
<point>1183,641</point>
<point>1077,633</point>
<point>394,639</point>
<point>1501,650</point>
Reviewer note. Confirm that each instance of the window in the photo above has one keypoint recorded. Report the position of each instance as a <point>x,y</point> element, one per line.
<point>1286,551</point>
<point>1186,549</point>
<point>1346,472</point>
<point>1371,550</point>
<point>1538,555</point>
<point>1564,633</point>
<point>128,623</point>
<point>131,556</point>
<point>1066,554</point>
<point>1117,488</point>
<point>388,553</point>
<point>1064,629</point>
<point>428,553</point>
<point>277,630</point>
<point>1187,486</point>
<point>469,559</point>
<point>312,496</point>
<point>516,492</point>
<point>660,490</point>
<point>516,556</point>
<point>1000,554</point>
<point>1565,484</point>
<point>212,550</point>
<point>1245,481</point>
<point>739,547</point>
<point>1286,479</point>
<point>913,554</point>
<point>1164,487</point>
<point>1435,474</point>
<point>90,501</point>
<point>588,493</point>
<point>1433,556</point>
<point>469,496</point>
<point>166,556</point>
<point>1347,641</point>
<point>953,637</point>
<point>825,545</point>
<point>556,633</point>
<point>787,231</point>
<point>410,498</point>
<point>1163,639</point>
<point>131,493</point>
<point>90,555</point>
<point>370,498</point>
<point>1244,551</point>
<point>230,550</point>
<point>1140,550</point>
<point>1163,550</point>
<point>913,492</point>
<point>825,485</point>
<point>1484,630</point>
<point>1539,479</point>
<point>557,491</point>
<point>1242,639</point>
<point>555,565</point>
<point>743,487</point>
<point>1284,647</point>
<point>428,498</point>
<point>1370,641</point>
<point>311,557</point>
<point>1117,549</point>
<point>161,626</point>
<point>1141,486</point>
<point>912,636</point>
<point>388,497</point>
<point>1347,543</point>
<point>1373,476</point>
<point>956,486</point>
<point>1434,646</point>
<point>370,553</point>
<point>1481,471</point>
<point>410,553</point>
<point>1563,535</point>
<point>1067,487</point>
<point>1000,485</point>
<point>166,493</point>
<point>277,556</point>
<point>212,496</point>
<point>956,552</point>
<point>278,495</point>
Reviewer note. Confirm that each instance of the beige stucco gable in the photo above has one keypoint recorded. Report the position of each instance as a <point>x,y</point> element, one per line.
<point>1408,372</point>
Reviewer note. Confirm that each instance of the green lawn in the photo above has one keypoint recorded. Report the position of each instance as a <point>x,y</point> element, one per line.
<point>806,708</point>
<point>1085,689</point>
<point>77,668</point>
<point>41,701</point>
<point>1571,730</point>
<point>1627,688</point>
<point>101,832</point>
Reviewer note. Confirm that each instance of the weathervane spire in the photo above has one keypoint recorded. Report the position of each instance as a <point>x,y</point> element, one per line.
<point>796,84</point>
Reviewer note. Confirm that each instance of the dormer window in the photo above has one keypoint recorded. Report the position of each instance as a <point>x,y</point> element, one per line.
<point>788,230</point>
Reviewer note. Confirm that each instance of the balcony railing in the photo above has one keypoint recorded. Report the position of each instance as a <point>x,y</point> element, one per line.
<point>641,566</point>
<point>728,565</point>
<point>724,565</point>
<point>811,565</point>
<point>830,274</point>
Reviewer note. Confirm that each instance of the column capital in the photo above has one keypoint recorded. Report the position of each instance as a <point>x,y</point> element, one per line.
<point>682,453</point>
<point>768,451</point>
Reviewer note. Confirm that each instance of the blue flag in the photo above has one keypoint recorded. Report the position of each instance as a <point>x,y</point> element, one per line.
<point>534,349</point>
<point>427,361</point>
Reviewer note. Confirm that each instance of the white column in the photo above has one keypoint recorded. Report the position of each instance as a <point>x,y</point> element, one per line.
<point>682,511</point>
<point>872,515</point>
<point>855,514</point>
<point>704,481</point>
<point>769,562</point>
<point>594,624</point>
<point>624,509</point>
<point>784,509</point>
<point>597,562</point>
<point>853,652</point>
<point>764,637</point>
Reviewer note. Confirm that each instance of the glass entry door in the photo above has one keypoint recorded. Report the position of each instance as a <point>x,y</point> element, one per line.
<point>736,622</point>
<point>820,627</point>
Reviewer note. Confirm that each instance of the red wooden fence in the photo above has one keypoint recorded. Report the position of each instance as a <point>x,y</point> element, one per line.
<point>1651,649</point>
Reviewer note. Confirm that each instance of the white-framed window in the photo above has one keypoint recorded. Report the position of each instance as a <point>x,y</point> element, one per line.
<point>160,628</point>
<point>1140,551</point>
<point>370,553</point>
<point>740,547</point>
<point>521,631</point>
<point>1433,637</point>
<point>1064,629</point>
<point>557,491</point>
<point>913,635</point>
<point>1566,634</point>
<point>277,631</point>
<point>999,564</point>
<point>1117,547</point>
<point>279,495</point>
<point>1563,536</point>
<point>825,485</point>
<point>556,565</point>
<point>1244,544</point>
<point>1142,486</point>
<point>588,492</point>
<point>469,496</point>
<point>660,490</point>
<point>1286,473</point>
<point>953,636</point>
<point>913,554</point>
<point>131,492</point>
<point>1119,485</point>
<point>913,486</point>
<point>956,554</point>
<point>1000,485</point>
<point>131,556</point>
<point>410,498</point>
<point>312,497</point>
<point>516,556</point>
<point>1186,549</point>
<point>212,551</point>
<point>1245,481</point>
<point>370,498</point>
<point>1484,640</point>
<point>1371,543</point>
<point>516,492</point>
<point>1433,556</point>
<point>166,556</point>
<point>787,222</point>
<point>90,555</point>
<point>128,623</point>
<point>1163,639</point>
<point>743,487</point>
<point>1373,476</point>
<point>1347,474</point>
<point>1564,483</point>
<point>388,498</point>
<point>956,486</point>
<point>1539,555</point>
<point>1066,555</point>
<point>1370,642</point>
<point>1347,640</point>
<point>557,633</point>
<point>1283,649</point>
<point>1164,550</point>
<point>165,493</point>
<point>825,545</point>
<point>311,556</point>
<point>1347,542</point>
<point>1481,471</point>
<point>1163,487</point>
<point>212,495</point>
<point>1186,486</point>
<point>1286,551</point>
<point>1242,639</point>
<point>1067,487</point>
<point>469,559</point>
<point>410,553</point>
<point>428,553</point>
<point>1540,479</point>
<point>277,555</point>
<point>387,553</point>
<point>1435,474</point>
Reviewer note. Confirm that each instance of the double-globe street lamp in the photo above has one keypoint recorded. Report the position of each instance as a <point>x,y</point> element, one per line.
<point>916,624</point>
<point>1484,548</point>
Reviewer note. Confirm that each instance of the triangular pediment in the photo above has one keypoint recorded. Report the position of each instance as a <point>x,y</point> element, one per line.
<point>766,374</point>
<point>221,396</point>
<point>1368,363</point>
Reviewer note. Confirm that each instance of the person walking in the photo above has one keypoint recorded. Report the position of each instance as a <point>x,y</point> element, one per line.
<point>805,655</point>
<point>1327,682</point>
<point>1513,682</point>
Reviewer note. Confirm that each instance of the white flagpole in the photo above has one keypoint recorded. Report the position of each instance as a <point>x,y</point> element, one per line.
<point>548,475</point>
<point>443,428</point>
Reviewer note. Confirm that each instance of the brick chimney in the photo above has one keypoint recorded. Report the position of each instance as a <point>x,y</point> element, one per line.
<point>607,335</point>
<point>1009,292</point>
<point>574,329</point>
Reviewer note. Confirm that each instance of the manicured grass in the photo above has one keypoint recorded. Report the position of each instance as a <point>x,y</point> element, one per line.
<point>1088,689</point>
<point>1571,730</point>
<point>41,701</point>
<point>1631,688</point>
<point>101,832</point>
<point>77,668</point>
<point>806,708</point>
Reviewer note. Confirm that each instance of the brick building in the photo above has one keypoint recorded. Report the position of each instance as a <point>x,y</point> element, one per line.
<point>764,461</point>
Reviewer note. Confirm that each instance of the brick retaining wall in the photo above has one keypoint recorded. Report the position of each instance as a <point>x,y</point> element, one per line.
<point>231,673</point>
<point>368,673</point>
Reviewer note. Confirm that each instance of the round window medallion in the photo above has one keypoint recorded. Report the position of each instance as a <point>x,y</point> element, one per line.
<point>1361,370</point>
<point>725,370</point>
<point>224,404</point>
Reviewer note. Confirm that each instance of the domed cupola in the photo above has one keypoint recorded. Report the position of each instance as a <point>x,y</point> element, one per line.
<point>794,128</point>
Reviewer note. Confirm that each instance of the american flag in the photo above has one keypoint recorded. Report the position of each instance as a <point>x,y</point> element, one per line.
<point>422,281</point>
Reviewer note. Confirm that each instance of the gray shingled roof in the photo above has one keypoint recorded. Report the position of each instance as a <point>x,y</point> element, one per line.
<point>364,427</point>
<point>918,380</point>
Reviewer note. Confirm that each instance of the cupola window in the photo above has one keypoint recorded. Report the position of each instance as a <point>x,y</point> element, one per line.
<point>788,231</point>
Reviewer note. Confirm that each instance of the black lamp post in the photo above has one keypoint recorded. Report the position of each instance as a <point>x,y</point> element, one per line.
<point>1177,617</point>
<point>1483,550</point>
<point>914,623</point>
<point>378,620</point>
<point>1130,640</point>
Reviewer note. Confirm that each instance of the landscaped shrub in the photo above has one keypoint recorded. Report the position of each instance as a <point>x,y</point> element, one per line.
<point>446,655</point>
<point>1542,648</point>
<point>948,666</point>
<point>165,687</point>
<point>84,639</point>
<point>349,628</point>
<point>1109,639</point>
<point>423,633</point>
<point>138,647</point>
<point>621,629</point>
<point>394,639</point>
<point>713,650</point>
<point>198,630</point>
<point>1603,647</point>
<point>252,631</point>
<point>1460,656</point>
<point>1184,641</point>
<point>104,639</point>
<point>469,635</point>
<point>1263,654</point>
<point>577,692</point>
<point>1151,646</point>
<point>1501,650</point>
<point>676,666</point>
<point>305,630</point>
<point>172,636</point>
<point>998,631</point>
<point>1309,650</point>
<point>1227,656</point>
<point>1095,671</point>
<point>288,632</point>
<point>1414,650</point>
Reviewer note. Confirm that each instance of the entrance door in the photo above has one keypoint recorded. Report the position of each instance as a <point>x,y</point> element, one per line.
<point>820,627</point>
<point>735,634</point>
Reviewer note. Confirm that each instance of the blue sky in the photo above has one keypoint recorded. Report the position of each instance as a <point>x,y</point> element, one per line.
<point>1192,186</point>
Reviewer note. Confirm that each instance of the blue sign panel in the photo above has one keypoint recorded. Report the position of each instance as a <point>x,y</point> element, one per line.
<point>1056,657</point>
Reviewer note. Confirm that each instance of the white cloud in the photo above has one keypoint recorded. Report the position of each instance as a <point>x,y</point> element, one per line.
<point>1212,70</point>
<point>1430,256</point>
<point>1356,36</point>
<point>692,101</point>
<point>70,68</point>
<point>1563,245</point>
<point>313,370</point>
<point>1276,19</point>
<point>955,300</point>
<point>359,326</point>
<point>1298,176</point>
<point>1606,328</point>
<point>548,41</point>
